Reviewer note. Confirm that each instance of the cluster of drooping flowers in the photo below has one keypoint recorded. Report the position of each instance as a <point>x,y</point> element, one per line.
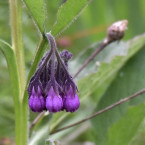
<point>52,87</point>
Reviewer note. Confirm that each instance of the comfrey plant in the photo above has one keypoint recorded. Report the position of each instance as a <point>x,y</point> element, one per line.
<point>52,87</point>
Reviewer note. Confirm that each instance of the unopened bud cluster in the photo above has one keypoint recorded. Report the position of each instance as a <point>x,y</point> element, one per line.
<point>117,30</point>
<point>52,87</point>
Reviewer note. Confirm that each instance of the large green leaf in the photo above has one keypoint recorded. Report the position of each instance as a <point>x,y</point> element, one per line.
<point>67,13</point>
<point>107,71</point>
<point>129,80</point>
<point>37,10</point>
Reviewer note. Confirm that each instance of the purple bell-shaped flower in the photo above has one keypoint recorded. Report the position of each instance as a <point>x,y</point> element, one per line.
<point>36,101</point>
<point>71,101</point>
<point>53,101</point>
<point>52,87</point>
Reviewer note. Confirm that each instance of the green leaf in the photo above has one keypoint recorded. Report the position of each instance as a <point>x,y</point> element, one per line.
<point>13,71</point>
<point>107,71</point>
<point>123,131</point>
<point>37,11</point>
<point>129,80</point>
<point>11,61</point>
<point>67,13</point>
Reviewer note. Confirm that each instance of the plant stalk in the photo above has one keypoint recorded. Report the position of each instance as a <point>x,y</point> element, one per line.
<point>17,39</point>
<point>17,45</point>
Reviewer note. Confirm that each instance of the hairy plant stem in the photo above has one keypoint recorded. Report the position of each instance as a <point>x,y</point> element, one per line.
<point>100,112</point>
<point>54,47</point>
<point>17,45</point>
<point>51,42</point>
<point>17,39</point>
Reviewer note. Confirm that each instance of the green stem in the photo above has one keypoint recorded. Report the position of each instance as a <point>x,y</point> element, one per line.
<point>17,45</point>
<point>17,39</point>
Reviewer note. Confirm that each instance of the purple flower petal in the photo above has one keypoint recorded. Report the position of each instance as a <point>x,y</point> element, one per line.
<point>53,102</point>
<point>36,101</point>
<point>71,103</point>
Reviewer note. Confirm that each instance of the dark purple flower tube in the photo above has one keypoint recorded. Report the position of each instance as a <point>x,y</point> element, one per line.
<point>71,101</point>
<point>53,101</point>
<point>36,101</point>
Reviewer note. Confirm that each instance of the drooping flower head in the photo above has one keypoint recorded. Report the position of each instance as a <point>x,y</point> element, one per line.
<point>52,87</point>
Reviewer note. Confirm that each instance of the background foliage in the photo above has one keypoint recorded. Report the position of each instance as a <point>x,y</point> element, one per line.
<point>115,73</point>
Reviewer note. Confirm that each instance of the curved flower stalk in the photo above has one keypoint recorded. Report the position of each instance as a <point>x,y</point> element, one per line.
<point>52,87</point>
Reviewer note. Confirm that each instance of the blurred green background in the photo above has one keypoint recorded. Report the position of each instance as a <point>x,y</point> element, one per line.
<point>88,29</point>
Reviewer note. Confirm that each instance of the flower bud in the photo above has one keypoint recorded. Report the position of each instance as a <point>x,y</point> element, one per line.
<point>53,101</point>
<point>36,101</point>
<point>71,101</point>
<point>66,55</point>
<point>117,30</point>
